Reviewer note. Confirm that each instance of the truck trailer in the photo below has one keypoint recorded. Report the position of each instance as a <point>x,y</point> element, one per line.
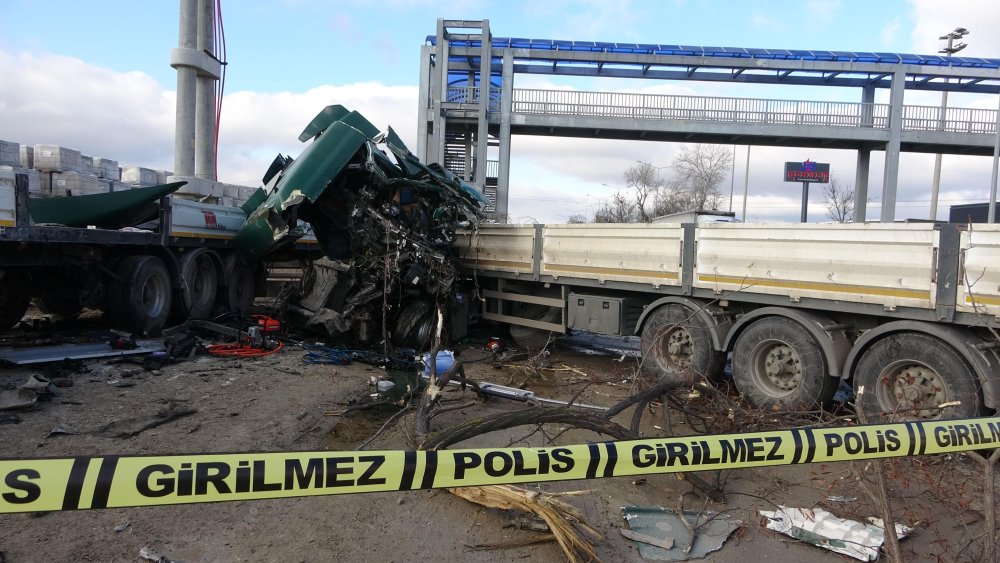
<point>906,312</point>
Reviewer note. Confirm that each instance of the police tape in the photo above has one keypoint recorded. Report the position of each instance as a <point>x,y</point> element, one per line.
<point>88,482</point>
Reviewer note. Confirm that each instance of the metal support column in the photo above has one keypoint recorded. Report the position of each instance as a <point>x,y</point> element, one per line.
<point>483,130</point>
<point>891,175</point>
<point>424,115</point>
<point>436,151</point>
<point>506,108</point>
<point>991,216</point>
<point>863,167</point>
<point>803,218</point>
<point>861,185</point>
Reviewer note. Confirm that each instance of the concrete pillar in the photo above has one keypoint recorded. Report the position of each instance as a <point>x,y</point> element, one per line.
<point>506,109</point>
<point>424,102</point>
<point>205,114</point>
<point>864,156</point>
<point>483,129</point>
<point>467,165</point>
<point>891,176</point>
<point>861,185</point>
<point>868,109</point>
<point>436,152</point>
<point>186,89</point>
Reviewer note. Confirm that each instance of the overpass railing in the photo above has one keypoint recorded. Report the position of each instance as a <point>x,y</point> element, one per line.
<point>749,110</point>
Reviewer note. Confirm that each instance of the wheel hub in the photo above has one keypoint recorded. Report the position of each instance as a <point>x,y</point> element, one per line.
<point>782,367</point>
<point>916,386</point>
<point>678,348</point>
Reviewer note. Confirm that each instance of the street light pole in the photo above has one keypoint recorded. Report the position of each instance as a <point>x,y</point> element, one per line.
<point>950,50</point>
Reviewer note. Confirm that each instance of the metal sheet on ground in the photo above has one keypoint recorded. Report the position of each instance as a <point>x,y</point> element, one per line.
<point>57,353</point>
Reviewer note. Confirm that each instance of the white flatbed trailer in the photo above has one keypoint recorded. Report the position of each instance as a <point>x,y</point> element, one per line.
<point>908,310</point>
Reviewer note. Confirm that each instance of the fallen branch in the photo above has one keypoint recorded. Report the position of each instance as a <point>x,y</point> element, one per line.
<point>563,519</point>
<point>129,427</point>
<point>531,415</point>
<point>888,522</point>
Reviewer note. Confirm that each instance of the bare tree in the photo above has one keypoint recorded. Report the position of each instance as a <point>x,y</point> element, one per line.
<point>576,219</point>
<point>673,197</point>
<point>701,169</point>
<point>621,209</point>
<point>839,201</point>
<point>643,179</point>
<point>697,172</point>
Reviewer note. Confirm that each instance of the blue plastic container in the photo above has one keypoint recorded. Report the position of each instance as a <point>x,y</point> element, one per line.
<point>445,359</point>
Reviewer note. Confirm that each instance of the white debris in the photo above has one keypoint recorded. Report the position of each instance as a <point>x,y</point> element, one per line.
<point>819,527</point>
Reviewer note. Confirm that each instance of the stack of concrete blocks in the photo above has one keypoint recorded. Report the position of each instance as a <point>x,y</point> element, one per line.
<point>10,154</point>
<point>232,195</point>
<point>8,177</point>
<point>197,189</point>
<point>27,154</point>
<point>65,172</point>
<point>139,177</point>
<point>11,164</point>
<point>55,171</point>
<point>108,175</point>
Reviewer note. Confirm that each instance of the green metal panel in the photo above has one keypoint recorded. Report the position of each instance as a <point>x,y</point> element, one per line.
<point>111,210</point>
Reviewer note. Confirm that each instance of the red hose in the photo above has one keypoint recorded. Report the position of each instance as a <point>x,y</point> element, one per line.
<point>240,350</point>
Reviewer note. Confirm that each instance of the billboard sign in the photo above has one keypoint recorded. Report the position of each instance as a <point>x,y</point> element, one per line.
<point>808,171</point>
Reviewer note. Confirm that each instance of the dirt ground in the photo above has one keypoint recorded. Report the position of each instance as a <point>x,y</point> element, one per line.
<point>281,403</point>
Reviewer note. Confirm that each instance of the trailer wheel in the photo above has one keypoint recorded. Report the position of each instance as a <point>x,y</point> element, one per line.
<point>140,295</point>
<point>534,339</point>
<point>778,366</point>
<point>240,286</point>
<point>907,375</point>
<point>14,300</point>
<point>677,346</point>
<point>200,284</point>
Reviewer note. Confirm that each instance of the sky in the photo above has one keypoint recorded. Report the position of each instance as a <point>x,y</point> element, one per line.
<point>95,76</point>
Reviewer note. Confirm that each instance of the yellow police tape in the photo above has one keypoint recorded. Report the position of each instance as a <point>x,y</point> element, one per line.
<point>85,482</point>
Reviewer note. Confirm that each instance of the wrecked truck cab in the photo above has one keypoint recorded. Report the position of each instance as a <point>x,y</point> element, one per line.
<point>384,221</point>
<point>335,143</point>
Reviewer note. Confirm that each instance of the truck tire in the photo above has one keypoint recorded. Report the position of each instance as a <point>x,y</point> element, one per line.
<point>239,286</point>
<point>200,284</point>
<point>415,326</point>
<point>778,366</point>
<point>140,296</point>
<point>677,346</point>
<point>534,339</point>
<point>14,300</point>
<point>907,375</point>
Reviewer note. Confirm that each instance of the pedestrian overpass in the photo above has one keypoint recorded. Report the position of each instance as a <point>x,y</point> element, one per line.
<point>467,107</point>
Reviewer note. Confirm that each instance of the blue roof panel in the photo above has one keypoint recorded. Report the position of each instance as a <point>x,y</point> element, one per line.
<point>735,52</point>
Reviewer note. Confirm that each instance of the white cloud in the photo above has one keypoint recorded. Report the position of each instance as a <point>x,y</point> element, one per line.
<point>890,32</point>
<point>257,126</point>
<point>764,21</point>
<point>60,100</point>
<point>823,11</point>
<point>129,117</point>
